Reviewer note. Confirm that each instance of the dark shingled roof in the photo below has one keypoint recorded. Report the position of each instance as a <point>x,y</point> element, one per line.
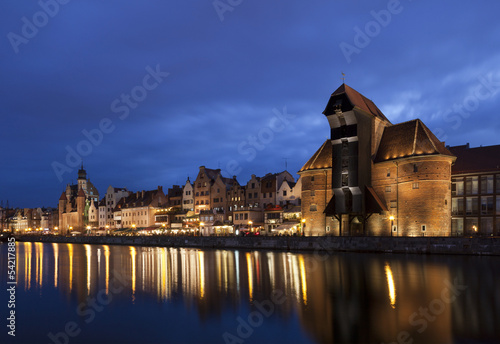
<point>356,99</point>
<point>409,139</point>
<point>476,160</point>
<point>321,159</point>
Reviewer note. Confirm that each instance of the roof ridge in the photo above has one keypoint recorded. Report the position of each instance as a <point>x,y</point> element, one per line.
<point>424,127</point>
<point>318,153</point>
<point>415,138</point>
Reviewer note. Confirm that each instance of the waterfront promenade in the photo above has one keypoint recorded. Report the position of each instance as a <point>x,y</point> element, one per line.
<point>417,245</point>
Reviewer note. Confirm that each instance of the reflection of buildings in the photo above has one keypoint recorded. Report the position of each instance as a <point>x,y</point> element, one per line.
<point>353,298</point>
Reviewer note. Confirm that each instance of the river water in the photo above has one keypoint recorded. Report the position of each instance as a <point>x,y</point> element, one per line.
<point>72,293</point>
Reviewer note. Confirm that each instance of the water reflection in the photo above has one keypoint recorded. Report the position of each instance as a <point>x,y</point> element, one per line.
<point>336,298</point>
<point>390,284</point>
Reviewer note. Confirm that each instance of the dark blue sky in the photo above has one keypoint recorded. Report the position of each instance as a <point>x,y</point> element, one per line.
<point>238,85</point>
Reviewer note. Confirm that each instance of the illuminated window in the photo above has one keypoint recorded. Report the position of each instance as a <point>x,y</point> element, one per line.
<point>415,185</point>
<point>313,207</point>
<point>387,189</point>
<point>457,187</point>
<point>388,172</point>
<point>394,204</point>
<point>471,185</point>
<point>486,184</point>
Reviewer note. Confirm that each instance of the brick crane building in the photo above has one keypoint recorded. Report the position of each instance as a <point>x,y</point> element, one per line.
<point>374,177</point>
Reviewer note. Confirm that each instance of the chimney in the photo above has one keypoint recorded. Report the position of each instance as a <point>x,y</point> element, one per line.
<point>142,194</point>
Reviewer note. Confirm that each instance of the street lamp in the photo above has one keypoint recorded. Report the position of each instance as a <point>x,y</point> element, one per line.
<point>392,223</point>
<point>88,230</point>
<point>302,226</point>
<point>201,227</point>
<point>250,223</point>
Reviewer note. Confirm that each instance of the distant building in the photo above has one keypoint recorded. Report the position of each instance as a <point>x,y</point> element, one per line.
<point>138,209</point>
<point>188,196</point>
<point>108,204</point>
<point>289,192</point>
<point>475,191</point>
<point>385,179</point>
<point>269,185</point>
<point>174,196</point>
<point>74,204</point>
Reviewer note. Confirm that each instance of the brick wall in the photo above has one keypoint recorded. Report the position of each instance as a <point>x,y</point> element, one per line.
<point>422,196</point>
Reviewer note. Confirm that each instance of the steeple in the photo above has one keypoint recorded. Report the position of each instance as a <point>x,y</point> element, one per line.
<point>82,174</point>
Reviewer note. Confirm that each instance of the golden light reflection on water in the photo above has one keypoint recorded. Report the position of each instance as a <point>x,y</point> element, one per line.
<point>390,285</point>
<point>201,270</point>
<point>70,258</point>
<point>106,263</point>
<point>303,279</point>
<point>55,247</point>
<point>250,275</point>
<point>39,263</point>
<point>27,248</point>
<point>88,254</point>
<point>133,253</point>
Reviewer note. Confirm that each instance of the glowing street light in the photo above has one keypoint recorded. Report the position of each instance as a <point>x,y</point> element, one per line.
<point>302,226</point>
<point>250,223</point>
<point>392,223</point>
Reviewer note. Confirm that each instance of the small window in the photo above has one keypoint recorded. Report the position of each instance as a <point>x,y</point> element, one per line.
<point>327,228</point>
<point>394,204</point>
<point>388,172</point>
<point>387,189</point>
<point>313,207</point>
<point>415,185</point>
<point>415,168</point>
<point>424,228</point>
<point>313,192</point>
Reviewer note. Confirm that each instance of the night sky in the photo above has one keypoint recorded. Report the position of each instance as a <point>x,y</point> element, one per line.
<point>147,91</point>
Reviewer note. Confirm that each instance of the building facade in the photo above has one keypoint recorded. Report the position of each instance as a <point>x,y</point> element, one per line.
<point>476,191</point>
<point>108,204</point>
<point>74,204</point>
<point>385,179</point>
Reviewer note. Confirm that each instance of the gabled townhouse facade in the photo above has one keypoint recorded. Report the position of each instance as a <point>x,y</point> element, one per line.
<point>138,209</point>
<point>107,205</point>
<point>188,196</point>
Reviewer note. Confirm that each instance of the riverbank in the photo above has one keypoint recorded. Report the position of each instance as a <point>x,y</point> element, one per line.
<point>420,245</point>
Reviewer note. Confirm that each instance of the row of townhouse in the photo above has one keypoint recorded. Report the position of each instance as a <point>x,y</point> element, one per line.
<point>212,204</point>
<point>28,219</point>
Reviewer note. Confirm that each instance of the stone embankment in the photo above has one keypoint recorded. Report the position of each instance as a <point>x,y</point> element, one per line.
<point>421,245</point>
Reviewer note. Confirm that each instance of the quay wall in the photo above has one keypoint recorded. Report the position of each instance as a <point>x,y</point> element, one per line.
<point>418,245</point>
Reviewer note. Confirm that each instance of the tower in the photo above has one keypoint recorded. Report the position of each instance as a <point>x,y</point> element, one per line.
<point>62,208</point>
<point>80,208</point>
<point>82,179</point>
<point>356,128</point>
